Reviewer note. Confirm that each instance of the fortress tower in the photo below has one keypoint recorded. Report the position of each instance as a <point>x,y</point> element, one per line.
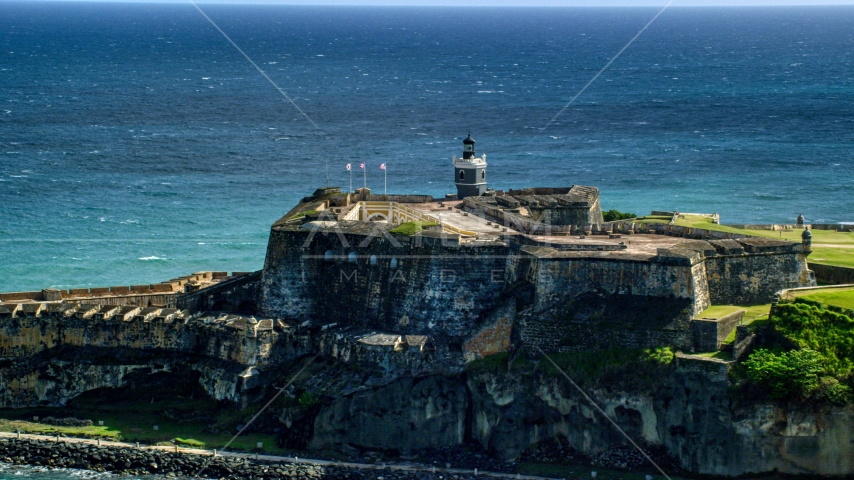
<point>470,172</point>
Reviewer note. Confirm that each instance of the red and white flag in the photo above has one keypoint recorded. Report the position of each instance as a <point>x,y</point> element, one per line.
<point>362,165</point>
<point>382,167</point>
<point>348,166</point>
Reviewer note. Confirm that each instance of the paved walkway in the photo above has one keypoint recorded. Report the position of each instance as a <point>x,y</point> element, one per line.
<point>272,458</point>
<point>832,245</point>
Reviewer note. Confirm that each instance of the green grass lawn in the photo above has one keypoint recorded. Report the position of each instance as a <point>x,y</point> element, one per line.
<point>653,219</point>
<point>843,257</point>
<point>752,311</point>
<point>751,314</point>
<point>719,355</point>
<point>134,421</point>
<point>411,228</point>
<point>839,297</point>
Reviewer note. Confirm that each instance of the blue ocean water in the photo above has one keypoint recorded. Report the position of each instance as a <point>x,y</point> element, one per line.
<point>19,472</point>
<point>137,145</point>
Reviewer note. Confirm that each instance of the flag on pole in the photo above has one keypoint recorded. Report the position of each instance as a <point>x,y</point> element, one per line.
<point>348,166</point>
<point>382,167</point>
<point>362,165</point>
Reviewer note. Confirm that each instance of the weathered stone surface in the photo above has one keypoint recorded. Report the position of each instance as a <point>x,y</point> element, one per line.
<point>407,414</point>
<point>692,415</point>
<point>494,333</point>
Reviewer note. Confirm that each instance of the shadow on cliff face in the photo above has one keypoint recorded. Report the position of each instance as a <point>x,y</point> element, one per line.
<point>593,321</point>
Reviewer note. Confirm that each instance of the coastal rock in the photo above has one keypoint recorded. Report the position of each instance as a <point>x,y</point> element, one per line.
<point>406,414</point>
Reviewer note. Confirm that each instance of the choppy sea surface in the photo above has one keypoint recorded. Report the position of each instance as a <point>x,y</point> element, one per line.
<point>136,144</point>
<point>19,472</point>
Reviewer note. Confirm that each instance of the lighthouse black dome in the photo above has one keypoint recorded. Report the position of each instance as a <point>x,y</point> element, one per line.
<point>469,140</point>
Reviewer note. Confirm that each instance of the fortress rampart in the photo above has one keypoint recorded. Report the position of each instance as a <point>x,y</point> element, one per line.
<point>359,274</point>
<point>103,344</point>
<point>224,337</point>
<point>159,294</point>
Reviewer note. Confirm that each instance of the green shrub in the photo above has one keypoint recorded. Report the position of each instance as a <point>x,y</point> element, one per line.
<point>621,369</point>
<point>614,215</point>
<point>786,375</point>
<point>308,399</point>
<point>806,301</point>
<point>819,329</point>
<point>661,355</point>
<point>810,355</point>
<point>834,391</point>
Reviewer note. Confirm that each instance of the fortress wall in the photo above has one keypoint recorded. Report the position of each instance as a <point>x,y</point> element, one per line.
<point>435,289</point>
<point>141,300</point>
<point>832,274</point>
<point>400,198</point>
<point>597,303</point>
<point>560,279</point>
<point>565,216</point>
<point>20,296</point>
<point>595,321</point>
<point>285,293</point>
<point>27,336</point>
<point>755,278</point>
<point>236,294</point>
<point>700,287</point>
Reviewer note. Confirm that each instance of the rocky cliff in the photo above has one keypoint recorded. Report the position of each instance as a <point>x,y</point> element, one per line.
<point>688,413</point>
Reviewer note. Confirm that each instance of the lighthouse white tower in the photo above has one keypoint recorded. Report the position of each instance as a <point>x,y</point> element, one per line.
<point>470,172</point>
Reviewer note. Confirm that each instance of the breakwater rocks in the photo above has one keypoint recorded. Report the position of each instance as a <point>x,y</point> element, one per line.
<point>133,461</point>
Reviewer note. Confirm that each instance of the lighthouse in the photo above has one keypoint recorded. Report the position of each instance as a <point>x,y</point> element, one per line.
<point>470,172</point>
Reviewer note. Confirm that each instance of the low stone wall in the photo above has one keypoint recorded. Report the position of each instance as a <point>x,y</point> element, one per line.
<point>399,198</point>
<point>840,227</point>
<point>710,333</point>
<point>48,295</point>
<point>832,274</point>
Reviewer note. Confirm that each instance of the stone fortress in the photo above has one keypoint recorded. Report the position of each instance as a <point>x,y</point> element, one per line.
<point>478,273</point>
<point>511,269</point>
<point>495,271</point>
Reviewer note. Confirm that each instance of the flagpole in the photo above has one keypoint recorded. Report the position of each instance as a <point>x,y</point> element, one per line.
<point>365,172</point>
<point>385,180</point>
<point>350,171</point>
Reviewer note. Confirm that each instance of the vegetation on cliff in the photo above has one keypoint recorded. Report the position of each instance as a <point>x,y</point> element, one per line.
<point>808,356</point>
<point>303,214</point>
<point>623,369</point>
